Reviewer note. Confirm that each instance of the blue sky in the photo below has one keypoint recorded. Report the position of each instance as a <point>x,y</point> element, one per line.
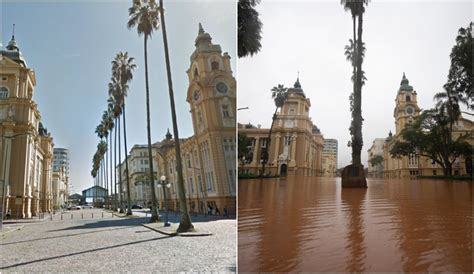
<point>70,46</point>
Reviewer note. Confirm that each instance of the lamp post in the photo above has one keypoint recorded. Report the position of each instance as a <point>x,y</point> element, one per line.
<point>163,184</point>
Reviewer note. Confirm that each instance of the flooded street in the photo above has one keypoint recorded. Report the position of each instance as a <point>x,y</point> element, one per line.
<point>311,224</point>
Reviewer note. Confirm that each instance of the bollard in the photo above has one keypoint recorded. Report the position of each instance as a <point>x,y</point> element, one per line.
<point>61,216</point>
<point>102,214</point>
<point>82,215</point>
<point>112,215</point>
<point>71,215</point>
<point>51,216</point>
<point>92,215</point>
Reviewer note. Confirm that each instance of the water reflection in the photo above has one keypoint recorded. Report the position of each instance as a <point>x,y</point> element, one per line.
<point>310,224</point>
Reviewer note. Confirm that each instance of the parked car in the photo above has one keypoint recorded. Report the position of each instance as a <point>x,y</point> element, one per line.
<point>87,207</point>
<point>137,207</point>
<point>76,207</point>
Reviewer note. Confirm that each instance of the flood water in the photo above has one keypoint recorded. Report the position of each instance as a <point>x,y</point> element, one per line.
<point>311,224</point>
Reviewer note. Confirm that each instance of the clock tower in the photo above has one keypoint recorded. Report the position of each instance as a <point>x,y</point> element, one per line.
<point>212,98</point>
<point>406,106</point>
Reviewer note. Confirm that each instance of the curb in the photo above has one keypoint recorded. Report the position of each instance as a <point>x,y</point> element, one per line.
<point>2,234</point>
<point>174,233</point>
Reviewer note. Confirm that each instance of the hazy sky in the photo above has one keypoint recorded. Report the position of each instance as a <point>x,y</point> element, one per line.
<point>70,47</point>
<point>309,37</point>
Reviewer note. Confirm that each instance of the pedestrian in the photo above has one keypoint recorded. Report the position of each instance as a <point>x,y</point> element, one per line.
<point>225,211</point>
<point>9,213</point>
<point>217,211</point>
<point>209,210</point>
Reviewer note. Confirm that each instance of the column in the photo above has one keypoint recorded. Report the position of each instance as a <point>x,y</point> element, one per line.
<point>293,151</point>
<point>276,150</point>
<point>255,160</point>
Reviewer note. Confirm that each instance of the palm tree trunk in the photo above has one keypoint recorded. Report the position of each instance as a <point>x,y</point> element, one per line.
<point>357,147</point>
<point>129,201</point>
<point>110,167</point>
<point>185,223</point>
<point>115,167</point>
<point>267,149</point>
<point>120,169</point>
<point>155,217</point>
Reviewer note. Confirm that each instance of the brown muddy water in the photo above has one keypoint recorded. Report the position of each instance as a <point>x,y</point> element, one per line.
<point>311,224</point>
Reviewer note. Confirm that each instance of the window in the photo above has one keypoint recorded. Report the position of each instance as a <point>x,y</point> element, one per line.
<point>214,65</point>
<point>408,98</point>
<point>3,93</point>
<point>434,172</point>
<point>196,73</point>
<point>225,111</point>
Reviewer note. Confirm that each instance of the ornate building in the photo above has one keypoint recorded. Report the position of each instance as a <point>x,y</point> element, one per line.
<point>296,143</point>
<point>208,156</point>
<point>26,148</point>
<point>406,110</point>
<point>375,153</point>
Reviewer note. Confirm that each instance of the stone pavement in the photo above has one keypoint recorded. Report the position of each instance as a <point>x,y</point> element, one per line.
<point>112,244</point>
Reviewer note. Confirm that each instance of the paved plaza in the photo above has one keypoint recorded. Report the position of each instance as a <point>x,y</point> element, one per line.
<point>112,244</point>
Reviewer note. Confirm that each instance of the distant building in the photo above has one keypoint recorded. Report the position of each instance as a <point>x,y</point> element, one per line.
<point>329,155</point>
<point>375,158</point>
<point>296,143</point>
<point>75,199</point>
<point>96,194</point>
<point>61,159</point>
<point>60,188</point>
<point>405,112</point>
<point>26,147</point>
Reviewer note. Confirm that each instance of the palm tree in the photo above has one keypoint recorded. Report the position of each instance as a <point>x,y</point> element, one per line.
<point>114,92</point>
<point>357,8</point>
<point>185,223</point>
<point>279,95</point>
<point>122,70</point>
<point>108,124</point>
<point>111,109</point>
<point>144,15</point>
<point>249,28</point>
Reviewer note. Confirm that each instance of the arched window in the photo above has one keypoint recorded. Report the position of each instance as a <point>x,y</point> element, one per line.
<point>214,65</point>
<point>196,73</point>
<point>3,93</point>
<point>408,98</point>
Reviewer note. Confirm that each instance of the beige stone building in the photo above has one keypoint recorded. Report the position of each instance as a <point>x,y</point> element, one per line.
<point>296,143</point>
<point>375,170</point>
<point>208,157</point>
<point>60,188</point>
<point>329,158</point>
<point>406,110</point>
<point>26,147</point>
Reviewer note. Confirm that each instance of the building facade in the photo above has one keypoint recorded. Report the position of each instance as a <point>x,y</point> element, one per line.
<point>61,160</point>
<point>375,159</point>
<point>329,158</point>
<point>26,147</point>
<point>406,110</point>
<point>60,188</point>
<point>296,143</point>
<point>208,157</point>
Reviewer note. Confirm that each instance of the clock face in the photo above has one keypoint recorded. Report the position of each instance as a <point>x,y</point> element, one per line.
<point>197,95</point>
<point>409,110</point>
<point>222,87</point>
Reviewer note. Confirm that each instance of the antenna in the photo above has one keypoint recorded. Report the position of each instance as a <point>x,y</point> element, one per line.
<point>13,33</point>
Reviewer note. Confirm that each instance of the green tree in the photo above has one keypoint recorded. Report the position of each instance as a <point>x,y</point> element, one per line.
<point>185,223</point>
<point>431,136</point>
<point>122,71</point>
<point>144,16</point>
<point>243,146</point>
<point>279,96</point>
<point>460,72</point>
<point>249,28</point>
<point>376,160</point>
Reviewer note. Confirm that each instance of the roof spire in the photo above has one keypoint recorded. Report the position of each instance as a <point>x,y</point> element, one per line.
<point>297,83</point>
<point>201,30</point>
<point>12,44</point>
<point>168,135</point>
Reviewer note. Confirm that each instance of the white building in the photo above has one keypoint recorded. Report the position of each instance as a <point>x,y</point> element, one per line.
<point>375,159</point>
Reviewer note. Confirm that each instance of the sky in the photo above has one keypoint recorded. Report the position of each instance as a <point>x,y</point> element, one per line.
<point>70,45</point>
<point>309,38</point>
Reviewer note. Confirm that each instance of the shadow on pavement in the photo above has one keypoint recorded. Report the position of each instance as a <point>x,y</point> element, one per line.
<point>108,223</point>
<point>62,236</point>
<point>81,252</point>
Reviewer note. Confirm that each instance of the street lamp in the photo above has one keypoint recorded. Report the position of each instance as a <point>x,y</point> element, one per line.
<point>163,184</point>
